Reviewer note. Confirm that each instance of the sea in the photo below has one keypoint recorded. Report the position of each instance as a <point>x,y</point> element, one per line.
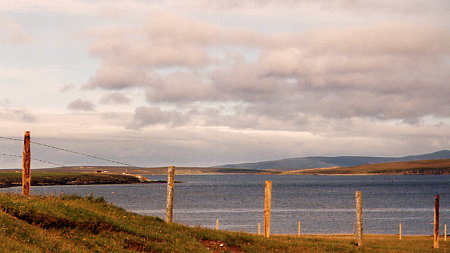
<point>322,204</point>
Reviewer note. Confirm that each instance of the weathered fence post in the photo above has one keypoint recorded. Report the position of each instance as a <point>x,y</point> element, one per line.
<point>217,224</point>
<point>400,231</point>
<point>359,219</point>
<point>259,228</point>
<point>299,224</point>
<point>445,232</point>
<point>26,164</point>
<point>436,222</point>
<point>267,207</point>
<point>169,202</point>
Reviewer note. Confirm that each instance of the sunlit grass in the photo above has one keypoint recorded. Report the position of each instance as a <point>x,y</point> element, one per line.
<point>70,223</point>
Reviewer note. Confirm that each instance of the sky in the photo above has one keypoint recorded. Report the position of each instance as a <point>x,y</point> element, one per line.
<point>203,83</point>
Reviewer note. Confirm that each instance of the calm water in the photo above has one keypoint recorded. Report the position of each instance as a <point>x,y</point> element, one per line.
<point>324,204</point>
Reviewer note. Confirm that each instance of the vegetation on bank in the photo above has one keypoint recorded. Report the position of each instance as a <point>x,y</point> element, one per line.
<point>41,178</point>
<point>69,223</point>
<point>422,167</point>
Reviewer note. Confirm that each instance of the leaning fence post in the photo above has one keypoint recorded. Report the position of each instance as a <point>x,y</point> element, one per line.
<point>359,219</point>
<point>267,207</point>
<point>26,164</point>
<point>169,202</point>
<point>436,222</point>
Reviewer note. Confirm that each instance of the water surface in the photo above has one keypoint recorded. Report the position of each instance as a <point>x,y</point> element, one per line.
<point>324,204</point>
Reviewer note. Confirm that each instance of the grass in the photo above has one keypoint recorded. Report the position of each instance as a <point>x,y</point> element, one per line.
<point>69,223</point>
<point>38,178</point>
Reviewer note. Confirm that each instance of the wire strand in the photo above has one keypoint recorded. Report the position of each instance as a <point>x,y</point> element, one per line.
<point>35,159</point>
<point>73,152</point>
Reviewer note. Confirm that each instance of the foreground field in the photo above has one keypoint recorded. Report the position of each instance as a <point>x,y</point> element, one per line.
<point>88,224</point>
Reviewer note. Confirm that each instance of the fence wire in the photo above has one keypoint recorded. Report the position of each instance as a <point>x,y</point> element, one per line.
<point>97,190</point>
<point>69,151</point>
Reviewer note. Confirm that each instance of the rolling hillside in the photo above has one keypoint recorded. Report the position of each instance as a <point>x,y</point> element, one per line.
<point>338,161</point>
<point>422,167</point>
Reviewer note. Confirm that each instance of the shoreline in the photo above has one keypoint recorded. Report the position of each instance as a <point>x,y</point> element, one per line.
<point>10,179</point>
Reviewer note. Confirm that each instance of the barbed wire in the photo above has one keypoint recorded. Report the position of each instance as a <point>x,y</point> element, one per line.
<point>73,152</point>
<point>94,189</point>
<point>9,138</point>
<point>35,159</point>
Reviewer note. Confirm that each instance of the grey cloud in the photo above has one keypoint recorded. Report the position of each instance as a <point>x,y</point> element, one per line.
<point>147,116</point>
<point>182,87</point>
<point>385,71</point>
<point>168,40</point>
<point>17,115</point>
<point>115,99</point>
<point>117,77</point>
<point>67,88</point>
<point>81,105</point>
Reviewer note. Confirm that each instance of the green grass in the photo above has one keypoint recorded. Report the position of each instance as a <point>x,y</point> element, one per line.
<point>69,223</point>
<point>14,178</point>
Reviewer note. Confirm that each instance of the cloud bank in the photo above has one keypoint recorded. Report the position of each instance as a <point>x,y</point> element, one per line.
<point>204,83</point>
<point>385,71</point>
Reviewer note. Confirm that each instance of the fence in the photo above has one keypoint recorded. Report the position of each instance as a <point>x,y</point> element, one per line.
<point>267,200</point>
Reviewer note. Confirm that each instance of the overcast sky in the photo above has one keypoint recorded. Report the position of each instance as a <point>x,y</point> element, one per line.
<point>196,83</point>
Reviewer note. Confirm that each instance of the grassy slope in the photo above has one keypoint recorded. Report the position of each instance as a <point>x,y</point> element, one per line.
<point>422,167</point>
<point>13,178</point>
<point>76,224</point>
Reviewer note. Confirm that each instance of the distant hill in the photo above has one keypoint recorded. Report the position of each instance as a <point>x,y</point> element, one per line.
<point>338,161</point>
<point>417,167</point>
<point>149,170</point>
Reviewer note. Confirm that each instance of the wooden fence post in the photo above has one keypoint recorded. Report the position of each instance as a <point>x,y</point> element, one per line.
<point>259,228</point>
<point>217,224</point>
<point>299,224</point>
<point>400,231</point>
<point>436,222</point>
<point>267,207</point>
<point>445,232</point>
<point>359,219</point>
<point>169,202</point>
<point>26,164</point>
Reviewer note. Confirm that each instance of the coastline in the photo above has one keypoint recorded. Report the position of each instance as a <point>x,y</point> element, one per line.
<point>44,178</point>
